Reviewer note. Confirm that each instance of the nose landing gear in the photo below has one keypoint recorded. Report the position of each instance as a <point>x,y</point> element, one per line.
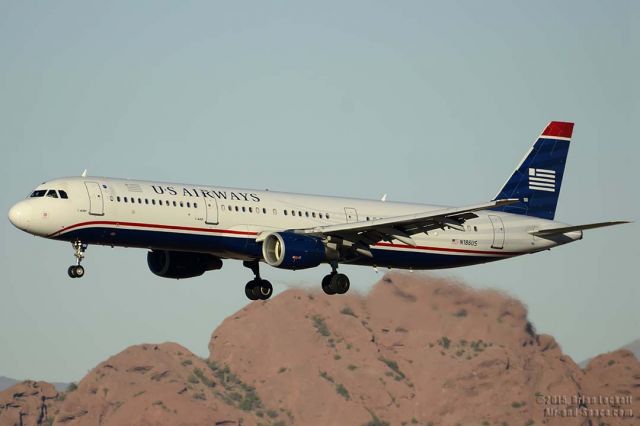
<point>257,288</point>
<point>77,271</point>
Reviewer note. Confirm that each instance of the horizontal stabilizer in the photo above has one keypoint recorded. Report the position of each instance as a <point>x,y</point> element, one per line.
<point>557,231</point>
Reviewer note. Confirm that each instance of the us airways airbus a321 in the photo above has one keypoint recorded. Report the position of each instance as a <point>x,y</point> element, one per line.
<point>190,229</point>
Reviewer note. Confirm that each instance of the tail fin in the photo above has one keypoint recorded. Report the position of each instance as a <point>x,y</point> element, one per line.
<point>537,179</point>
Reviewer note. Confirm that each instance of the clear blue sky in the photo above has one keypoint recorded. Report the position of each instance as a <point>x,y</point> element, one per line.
<point>430,102</point>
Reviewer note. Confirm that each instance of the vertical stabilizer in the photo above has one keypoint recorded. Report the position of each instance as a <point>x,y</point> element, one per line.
<point>538,177</point>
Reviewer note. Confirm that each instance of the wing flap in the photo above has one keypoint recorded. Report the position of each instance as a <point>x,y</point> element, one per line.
<point>411,223</point>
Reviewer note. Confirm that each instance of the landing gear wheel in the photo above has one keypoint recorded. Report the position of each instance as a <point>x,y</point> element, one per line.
<point>249,290</point>
<point>79,271</point>
<point>264,289</point>
<point>340,283</point>
<point>326,284</point>
<point>75,271</point>
<point>257,288</point>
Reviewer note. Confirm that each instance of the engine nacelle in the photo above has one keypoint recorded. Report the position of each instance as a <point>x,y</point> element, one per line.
<point>180,264</point>
<point>288,250</point>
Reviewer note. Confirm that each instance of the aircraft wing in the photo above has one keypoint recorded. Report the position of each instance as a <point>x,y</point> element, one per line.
<point>564,230</point>
<point>360,235</point>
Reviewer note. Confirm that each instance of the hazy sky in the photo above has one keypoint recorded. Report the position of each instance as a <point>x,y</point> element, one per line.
<point>431,102</point>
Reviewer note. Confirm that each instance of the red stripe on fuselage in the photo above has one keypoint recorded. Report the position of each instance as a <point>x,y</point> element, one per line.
<point>249,233</point>
<point>152,225</point>
<point>499,253</point>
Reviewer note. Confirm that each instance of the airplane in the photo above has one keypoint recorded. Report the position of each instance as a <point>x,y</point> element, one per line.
<point>189,229</point>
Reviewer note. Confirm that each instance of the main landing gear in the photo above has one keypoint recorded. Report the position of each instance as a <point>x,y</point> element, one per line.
<point>77,271</point>
<point>335,283</point>
<point>257,288</point>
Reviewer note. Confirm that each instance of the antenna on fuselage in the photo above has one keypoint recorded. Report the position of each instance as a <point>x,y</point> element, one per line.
<point>84,173</point>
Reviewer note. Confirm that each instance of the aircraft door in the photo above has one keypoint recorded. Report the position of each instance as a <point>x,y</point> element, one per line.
<point>96,202</point>
<point>212,211</point>
<point>351,214</point>
<point>498,232</point>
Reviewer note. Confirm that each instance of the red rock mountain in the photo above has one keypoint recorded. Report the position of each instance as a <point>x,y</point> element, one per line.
<point>416,350</point>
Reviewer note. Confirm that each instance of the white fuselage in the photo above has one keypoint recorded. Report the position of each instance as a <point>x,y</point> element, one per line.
<point>225,222</point>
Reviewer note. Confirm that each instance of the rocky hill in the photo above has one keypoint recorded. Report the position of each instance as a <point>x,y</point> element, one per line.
<point>416,350</point>
<point>7,382</point>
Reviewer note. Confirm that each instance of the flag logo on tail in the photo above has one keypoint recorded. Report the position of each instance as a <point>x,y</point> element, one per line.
<point>542,180</point>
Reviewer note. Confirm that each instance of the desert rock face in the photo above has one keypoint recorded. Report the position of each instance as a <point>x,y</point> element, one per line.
<point>416,350</point>
<point>28,402</point>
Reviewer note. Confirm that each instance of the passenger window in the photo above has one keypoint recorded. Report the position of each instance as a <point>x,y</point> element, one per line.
<point>188,204</point>
<point>300,213</point>
<point>146,201</point>
<point>285,212</point>
<point>264,210</point>
<point>475,228</point>
<point>181,204</point>
<point>243,209</point>
<point>153,201</point>
<point>175,204</point>
<point>139,200</point>
<point>327,215</point>
<point>52,193</point>
<point>313,214</point>
<point>125,199</point>
<point>237,209</point>
<point>320,215</point>
<point>195,205</point>
<point>250,209</point>
<point>306,214</point>
<point>63,194</point>
<point>118,198</point>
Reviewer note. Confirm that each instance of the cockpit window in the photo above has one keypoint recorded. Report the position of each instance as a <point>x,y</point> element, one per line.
<point>38,193</point>
<point>63,194</point>
<point>52,193</point>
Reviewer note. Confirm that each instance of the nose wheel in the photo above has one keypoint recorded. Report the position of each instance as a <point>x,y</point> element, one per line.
<point>77,270</point>
<point>257,288</point>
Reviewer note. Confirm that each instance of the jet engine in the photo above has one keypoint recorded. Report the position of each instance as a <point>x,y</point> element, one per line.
<point>288,250</point>
<point>180,264</point>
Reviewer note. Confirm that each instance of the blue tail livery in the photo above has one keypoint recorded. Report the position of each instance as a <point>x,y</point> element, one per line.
<point>537,179</point>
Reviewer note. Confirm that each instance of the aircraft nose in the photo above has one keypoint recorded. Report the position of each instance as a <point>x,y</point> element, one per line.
<point>20,215</point>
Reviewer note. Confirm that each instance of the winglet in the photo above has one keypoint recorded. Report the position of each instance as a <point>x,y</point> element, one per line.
<point>84,173</point>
